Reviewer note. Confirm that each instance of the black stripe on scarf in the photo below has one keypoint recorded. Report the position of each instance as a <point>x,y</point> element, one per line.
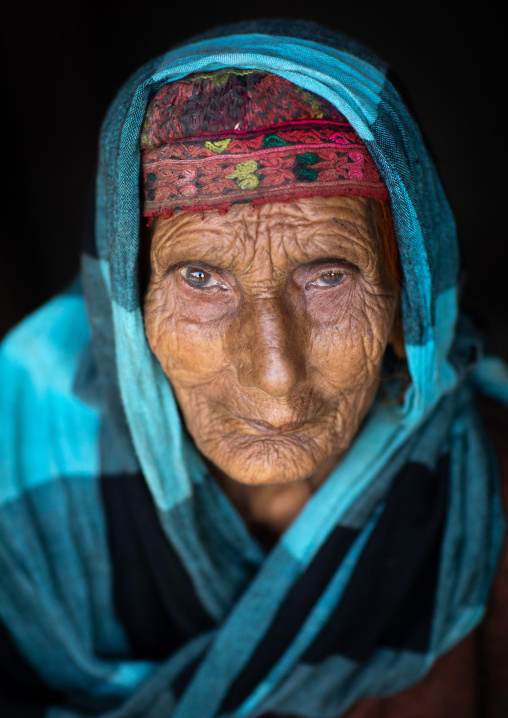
<point>153,593</point>
<point>23,693</point>
<point>291,614</point>
<point>389,601</point>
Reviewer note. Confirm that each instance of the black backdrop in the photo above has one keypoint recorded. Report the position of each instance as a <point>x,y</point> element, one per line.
<point>64,62</point>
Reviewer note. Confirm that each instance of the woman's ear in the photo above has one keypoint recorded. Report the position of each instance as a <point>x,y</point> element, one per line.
<point>396,339</point>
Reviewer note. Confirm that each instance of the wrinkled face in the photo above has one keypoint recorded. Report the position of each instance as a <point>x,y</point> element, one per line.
<point>271,325</point>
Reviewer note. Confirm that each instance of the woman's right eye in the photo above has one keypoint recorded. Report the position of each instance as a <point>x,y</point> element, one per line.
<point>197,277</point>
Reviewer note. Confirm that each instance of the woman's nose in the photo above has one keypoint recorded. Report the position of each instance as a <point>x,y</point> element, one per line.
<point>271,356</point>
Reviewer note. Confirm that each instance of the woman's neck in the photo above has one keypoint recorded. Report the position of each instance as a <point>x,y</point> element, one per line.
<point>268,510</point>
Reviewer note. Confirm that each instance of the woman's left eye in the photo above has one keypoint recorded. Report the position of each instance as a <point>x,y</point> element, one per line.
<point>329,279</point>
<point>197,277</point>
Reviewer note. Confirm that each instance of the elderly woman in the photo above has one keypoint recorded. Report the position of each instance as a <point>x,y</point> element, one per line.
<point>243,470</point>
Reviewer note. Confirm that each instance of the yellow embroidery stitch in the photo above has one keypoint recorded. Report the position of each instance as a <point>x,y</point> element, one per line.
<point>244,174</point>
<point>218,146</point>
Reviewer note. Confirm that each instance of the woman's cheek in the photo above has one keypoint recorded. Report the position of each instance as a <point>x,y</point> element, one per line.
<point>349,337</point>
<point>189,349</point>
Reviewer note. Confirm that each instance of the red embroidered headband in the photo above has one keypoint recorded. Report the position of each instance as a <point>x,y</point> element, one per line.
<point>214,139</point>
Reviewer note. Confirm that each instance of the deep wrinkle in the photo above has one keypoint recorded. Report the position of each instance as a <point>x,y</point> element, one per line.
<point>273,374</point>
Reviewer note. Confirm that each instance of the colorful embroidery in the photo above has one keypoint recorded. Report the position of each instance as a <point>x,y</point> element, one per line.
<point>218,146</point>
<point>245,176</point>
<point>250,137</point>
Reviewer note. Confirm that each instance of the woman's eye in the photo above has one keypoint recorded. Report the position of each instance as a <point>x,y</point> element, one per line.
<point>329,279</point>
<point>199,278</point>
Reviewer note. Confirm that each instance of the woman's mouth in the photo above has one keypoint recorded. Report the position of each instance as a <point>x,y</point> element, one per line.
<point>272,430</point>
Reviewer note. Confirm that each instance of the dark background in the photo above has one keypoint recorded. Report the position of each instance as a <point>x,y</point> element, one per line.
<point>64,62</point>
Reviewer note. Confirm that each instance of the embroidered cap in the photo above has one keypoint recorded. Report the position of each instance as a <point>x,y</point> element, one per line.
<point>215,139</point>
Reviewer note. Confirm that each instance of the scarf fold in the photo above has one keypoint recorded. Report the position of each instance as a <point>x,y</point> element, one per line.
<point>388,565</point>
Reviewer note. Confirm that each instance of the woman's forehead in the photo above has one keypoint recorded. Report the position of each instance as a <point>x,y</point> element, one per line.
<point>281,233</point>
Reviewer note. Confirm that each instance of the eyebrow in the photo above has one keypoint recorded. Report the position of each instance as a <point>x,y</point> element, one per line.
<point>323,261</point>
<point>214,268</point>
<point>195,263</point>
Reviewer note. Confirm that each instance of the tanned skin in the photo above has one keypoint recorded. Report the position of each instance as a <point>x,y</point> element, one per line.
<point>271,324</point>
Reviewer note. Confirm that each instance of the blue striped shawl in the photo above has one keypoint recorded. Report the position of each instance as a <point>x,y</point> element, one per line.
<point>300,630</point>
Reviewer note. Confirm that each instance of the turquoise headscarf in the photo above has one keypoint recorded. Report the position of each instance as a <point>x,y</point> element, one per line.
<point>83,398</point>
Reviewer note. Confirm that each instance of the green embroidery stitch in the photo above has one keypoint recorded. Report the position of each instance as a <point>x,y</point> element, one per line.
<point>305,174</point>
<point>274,141</point>
<point>308,158</point>
<point>244,174</point>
